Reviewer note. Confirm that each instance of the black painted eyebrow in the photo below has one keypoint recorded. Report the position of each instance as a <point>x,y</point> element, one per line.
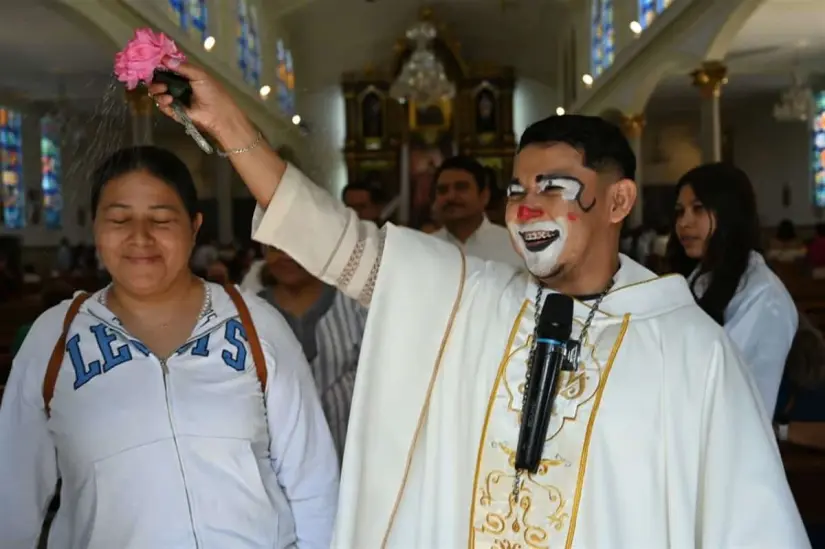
<point>541,178</point>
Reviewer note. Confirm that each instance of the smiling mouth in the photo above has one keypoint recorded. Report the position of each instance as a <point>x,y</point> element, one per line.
<point>536,241</point>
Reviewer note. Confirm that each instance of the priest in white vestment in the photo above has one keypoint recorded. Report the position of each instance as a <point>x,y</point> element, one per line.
<point>656,441</point>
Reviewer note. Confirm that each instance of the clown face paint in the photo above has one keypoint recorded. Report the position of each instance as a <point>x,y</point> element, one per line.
<point>568,189</point>
<point>540,243</point>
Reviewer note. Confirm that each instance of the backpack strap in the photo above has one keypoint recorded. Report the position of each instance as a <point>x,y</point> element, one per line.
<point>251,333</point>
<point>59,350</point>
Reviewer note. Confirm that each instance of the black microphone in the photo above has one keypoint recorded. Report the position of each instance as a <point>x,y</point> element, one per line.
<point>552,335</point>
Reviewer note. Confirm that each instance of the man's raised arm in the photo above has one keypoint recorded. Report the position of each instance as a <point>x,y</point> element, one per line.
<point>293,214</point>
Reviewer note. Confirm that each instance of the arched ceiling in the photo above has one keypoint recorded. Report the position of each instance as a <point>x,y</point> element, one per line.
<point>781,37</point>
<point>46,54</point>
<point>330,37</point>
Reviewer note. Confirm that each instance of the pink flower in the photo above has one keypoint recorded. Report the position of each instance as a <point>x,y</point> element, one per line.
<point>143,54</point>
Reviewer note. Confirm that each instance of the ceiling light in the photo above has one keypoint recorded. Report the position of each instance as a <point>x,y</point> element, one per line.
<point>587,80</point>
<point>636,28</point>
<point>560,111</point>
<point>209,43</point>
<point>264,91</point>
<point>296,119</point>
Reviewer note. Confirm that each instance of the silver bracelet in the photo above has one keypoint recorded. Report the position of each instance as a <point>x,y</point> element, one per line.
<point>258,139</point>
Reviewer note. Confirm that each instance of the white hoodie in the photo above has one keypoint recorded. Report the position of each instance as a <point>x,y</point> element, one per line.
<point>176,454</point>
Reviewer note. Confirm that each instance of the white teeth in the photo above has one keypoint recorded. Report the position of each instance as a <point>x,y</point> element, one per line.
<point>533,236</point>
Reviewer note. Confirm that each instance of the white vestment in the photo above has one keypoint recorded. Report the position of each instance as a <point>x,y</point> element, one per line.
<point>657,441</point>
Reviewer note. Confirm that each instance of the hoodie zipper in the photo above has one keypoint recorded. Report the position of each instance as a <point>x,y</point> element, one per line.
<point>165,371</point>
<point>164,367</point>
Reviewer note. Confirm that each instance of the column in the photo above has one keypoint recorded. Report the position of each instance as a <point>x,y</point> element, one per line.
<point>632,126</point>
<point>141,110</point>
<point>709,79</point>
<point>223,195</point>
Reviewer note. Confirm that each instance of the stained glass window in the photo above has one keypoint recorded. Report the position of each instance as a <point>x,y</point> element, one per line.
<point>249,53</point>
<point>649,9</point>
<point>286,80</point>
<point>50,183</point>
<point>11,168</point>
<point>818,152</point>
<point>191,16</point>
<point>603,36</point>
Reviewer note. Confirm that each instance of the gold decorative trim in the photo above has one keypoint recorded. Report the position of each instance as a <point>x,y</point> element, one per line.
<point>502,367</point>
<point>588,433</point>
<point>426,406</point>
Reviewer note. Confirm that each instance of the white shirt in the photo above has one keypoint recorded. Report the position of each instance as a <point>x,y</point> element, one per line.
<point>180,453</point>
<point>251,282</point>
<point>490,241</point>
<point>761,319</point>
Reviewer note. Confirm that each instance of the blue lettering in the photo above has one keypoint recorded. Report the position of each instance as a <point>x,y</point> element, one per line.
<point>201,347</point>
<point>82,374</point>
<point>104,338</point>
<point>144,350</point>
<point>237,360</point>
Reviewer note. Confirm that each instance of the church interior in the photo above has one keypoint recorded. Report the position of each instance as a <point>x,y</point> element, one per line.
<point>376,94</point>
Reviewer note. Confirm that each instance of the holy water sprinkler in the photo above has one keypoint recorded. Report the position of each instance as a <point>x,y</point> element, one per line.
<point>152,57</point>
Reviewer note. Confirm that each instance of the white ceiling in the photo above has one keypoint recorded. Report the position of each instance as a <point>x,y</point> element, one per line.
<point>330,37</point>
<point>780,38</point>
<point>44,54</point>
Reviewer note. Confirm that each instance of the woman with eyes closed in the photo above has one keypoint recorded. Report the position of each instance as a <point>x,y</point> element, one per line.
<point>715,244</point>
<point>171,423</point>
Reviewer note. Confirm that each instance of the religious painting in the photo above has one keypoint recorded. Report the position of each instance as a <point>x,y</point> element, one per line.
<point>372,115</point>
<point>437,116</point>
<point>486,112</point>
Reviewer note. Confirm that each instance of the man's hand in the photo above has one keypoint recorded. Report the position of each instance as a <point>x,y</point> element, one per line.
<point>212,108</point>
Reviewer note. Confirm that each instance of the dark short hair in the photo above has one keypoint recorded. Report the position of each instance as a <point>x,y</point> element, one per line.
<point>161,163</point>
<point>467,164</point>
<point>602,143</point>
<point>374,191</point>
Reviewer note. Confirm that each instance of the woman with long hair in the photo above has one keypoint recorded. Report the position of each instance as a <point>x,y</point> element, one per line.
<point>329,326</point>
<point>171,421</point>
<point>715,244</point>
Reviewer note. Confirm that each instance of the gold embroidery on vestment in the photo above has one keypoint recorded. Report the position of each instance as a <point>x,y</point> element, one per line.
<point>544,514</point>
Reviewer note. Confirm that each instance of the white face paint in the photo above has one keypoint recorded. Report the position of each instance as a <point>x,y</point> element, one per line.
<point>540,244</point>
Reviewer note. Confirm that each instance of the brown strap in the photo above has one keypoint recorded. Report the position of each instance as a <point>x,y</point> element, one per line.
<point>59,350</point>
<point>251,333</point>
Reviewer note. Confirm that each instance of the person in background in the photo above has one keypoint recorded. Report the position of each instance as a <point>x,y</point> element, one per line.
<point>367,201</point>
<point>786,246</point>
<point>55,292</point>
<point>715,244</point>
<point>329,326</point>
<point>461,197</point>
<point>205,254</point>
<point>816,250</point>
<point>169,424</point>
<point>65,257</point>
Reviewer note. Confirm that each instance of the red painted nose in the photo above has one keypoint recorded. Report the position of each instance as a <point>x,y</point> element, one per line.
<point>526,213</point>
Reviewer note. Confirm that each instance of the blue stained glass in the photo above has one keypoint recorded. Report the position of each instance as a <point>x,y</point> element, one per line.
<point>50,178</point>
<point>649,9</point>
<point>249,54</point>
<point>190,15</point>
<point>285,79</point>
<point>603,36</point>
<point>198,16</point>
<point>11,169</point>
<point>818,149</point>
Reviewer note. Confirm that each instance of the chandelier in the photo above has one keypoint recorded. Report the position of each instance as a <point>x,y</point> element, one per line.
<point>422,78</point>
<point>796,103</point>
